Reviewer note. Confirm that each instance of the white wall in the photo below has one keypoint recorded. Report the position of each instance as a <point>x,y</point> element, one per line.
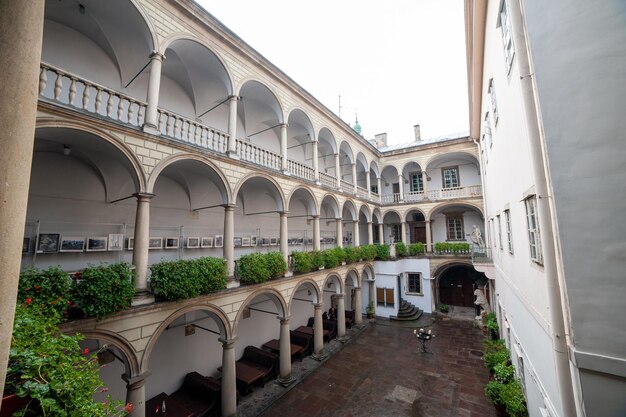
<point>386,277</point>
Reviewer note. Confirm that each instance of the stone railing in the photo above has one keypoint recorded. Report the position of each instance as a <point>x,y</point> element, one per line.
<point>328,180</point>
<point>300,170</point>
<point>481,255</point>
<point>186,130</point>
<point>455,192</point>
<point>252,153</point>
<point>390,199</point>
<point>412,196</point>
<point>361,191</point>
<point>375,197</point>
<point>60,86</point>
<point>347,187</point>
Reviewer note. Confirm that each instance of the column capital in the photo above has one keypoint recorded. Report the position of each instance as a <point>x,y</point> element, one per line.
<point>228,343</point>
<point>318,306</point>
<point>370,222</point>
<point>229,207</point>
<point>143,196</point>
<point>283,213</point>
<point>285,125</point>
<point>157,55</point>
<point>234,97</point>
<point>136,381</point>
<point>315,216</point>
<point>339,296</point>
<point>283,319</point>
<point>355,221</point>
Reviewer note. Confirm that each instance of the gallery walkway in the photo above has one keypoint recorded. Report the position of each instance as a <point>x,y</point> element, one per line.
<point>380,373</point>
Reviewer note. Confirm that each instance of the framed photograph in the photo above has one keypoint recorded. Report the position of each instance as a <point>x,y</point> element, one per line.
<point>172,242</point>
<point>273,241</point>
<point>245,241</point>
<point>72,244</point>
<point>206,242</point>
<point>219,241</point>
<point>97,244</point>
<point>48,243</point>
<point>237,242</point>
<point>130,243</point>
<point>253,240</point>
<point>116,241</point>
<point>26,245</point>
<point>155,243</point>
<point>193,242</point>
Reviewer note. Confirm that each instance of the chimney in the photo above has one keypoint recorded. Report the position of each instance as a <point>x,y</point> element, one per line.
<point>418,134</point>
<point>381,140</point>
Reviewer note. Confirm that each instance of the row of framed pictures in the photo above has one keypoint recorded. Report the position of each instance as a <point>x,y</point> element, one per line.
<point>54,242</point>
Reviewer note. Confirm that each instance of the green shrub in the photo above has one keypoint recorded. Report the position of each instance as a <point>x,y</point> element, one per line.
<point>401,249</point>
<point>253,268</point>
<point>317,260</point>
<point>491,321</point>
<point>449,247</point>
<point>105,289</point>
<point>503,372</point>
<point>382,252</point>
<point>444,308</point>
<point>49,289</point>
<point>302,262</point>
<point>493,345</point>
<point>493,390</point>
<point>352,254</point>
<point>333,257</point>
<point>368,252</point>
<point>276,264</point>
<point>512,396</point>
<point>416,248</point>
<point>188,278</point>
<point>495,358</point>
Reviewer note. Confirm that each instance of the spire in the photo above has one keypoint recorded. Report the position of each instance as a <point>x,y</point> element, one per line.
<point>357,126</point>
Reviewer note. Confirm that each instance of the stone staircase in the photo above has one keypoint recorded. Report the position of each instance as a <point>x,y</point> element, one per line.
<point>407,312</point>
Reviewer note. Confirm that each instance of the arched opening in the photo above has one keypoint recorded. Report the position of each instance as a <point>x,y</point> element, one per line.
<point>329,215</point>
<point>364,228</point>
<point>456,284</point>
<point>374,174</point>
<point>413,182</point>
<point>454,222</point>
<point>451,173</point>
<point>346,159</point>
<point>362,171</point>
<point>350,223</point>
<point>390,185</point>
<point>326,151</point>
<point>302,208</point>
<point>377,220</point>
<point>416,223</point>
<point>300,145</point>
<point>393,227</point>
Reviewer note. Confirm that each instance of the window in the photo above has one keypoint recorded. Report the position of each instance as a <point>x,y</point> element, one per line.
<point>384,297</point>
<point>507,38</point>
<point>509,234</point>
<point>396,230</point>
<point>417,183</point>
<point>414,283</point>
<point>455,227</point>
<point>487,129</point>
<point>499,231</point>
<point>494,104</point>
<point>492,233</point>
<point>450,176</point>
<point>374,188</point>
<point>534,242</point>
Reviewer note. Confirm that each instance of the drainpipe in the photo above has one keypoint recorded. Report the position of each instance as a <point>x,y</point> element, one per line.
<point>571,406</point>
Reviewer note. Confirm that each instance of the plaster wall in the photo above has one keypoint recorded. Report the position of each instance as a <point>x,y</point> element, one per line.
<point>386,277</point>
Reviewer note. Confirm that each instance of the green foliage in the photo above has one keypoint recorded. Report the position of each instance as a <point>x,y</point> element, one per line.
<point>382,252</point>
<point>491,321</point>
<point>253,268</point>
<point>493,345</point>
<point>352,254</point>
<point>103,290</point>
<point>448,247</point>
<point>493,390</point>
<point>370,309</point>
<point>51,369</point>
<point>49,289</point>
<point>188,278</point>
<point>317,260</point>
<point>492,359</point>
<point>503,372</point>
<point>276,264</point>
<point>368,252</point>
<point>512,396</point>
<point>333,257</point>
<point>416,248</point>
<point>401,249</point>
<point>302,262</point>
<point>444,308</point>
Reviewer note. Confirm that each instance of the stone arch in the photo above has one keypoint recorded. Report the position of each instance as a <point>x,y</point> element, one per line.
<point>215,312</point>
<point>368,269</point>
<point>131,363</point>
<point>365,209</point>
<point>337,277</point>
<point>148,22</point>
<point>317,293</point>
<point>305,188</point>
<point>254,79</point>
<point>351,207</point>
<point>356,281</point>
<point>426,163</point>
<point>448,203</point>
<point>439,272</point>
<point>333,198</point>
<point>279,198</point>
<point>223,185</point>
<point>273,294</point>
<point>388,211</point>
<point>376,215</point>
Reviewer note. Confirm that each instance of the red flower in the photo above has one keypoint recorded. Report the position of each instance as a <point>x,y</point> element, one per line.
<point>129,408</point>
<point>29,300</point>
<point>86,351</point>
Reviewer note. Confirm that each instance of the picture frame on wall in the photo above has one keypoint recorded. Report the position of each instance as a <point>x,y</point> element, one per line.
<point>172,242</point>
<point>206,242</point>
<point>72,244</point>
<point>253,240</point>
<point>116,241</point>
<point>130,243</point>
<point>265,241</point>
<point>48,243</point>
<point>273,241</point>
<point>245,241</point>
<point>97,243</point>
<point>155,243</point>
<point>219,241</point>
<point>193,242</point>
<point>237,242</point>
<point>26,245</point>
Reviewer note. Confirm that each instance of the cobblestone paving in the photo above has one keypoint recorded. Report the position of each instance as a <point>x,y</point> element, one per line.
<point>382,373</point>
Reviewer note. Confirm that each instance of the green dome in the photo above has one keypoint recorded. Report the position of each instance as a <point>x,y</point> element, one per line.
<point>357,126</point>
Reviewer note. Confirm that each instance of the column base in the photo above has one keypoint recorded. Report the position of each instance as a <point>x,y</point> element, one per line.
<point>343,339</point>
<point>288,274</point>
<point>232,154</point>
<point>359,325</point>
<point>151,129</point>
<point>142,298</point>
<point>232,283</point>
<point>285,382</point>
<point>319,357</point>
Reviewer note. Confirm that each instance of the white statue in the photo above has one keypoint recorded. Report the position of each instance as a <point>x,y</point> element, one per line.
<point>477,237</point>
<point>482,302</point>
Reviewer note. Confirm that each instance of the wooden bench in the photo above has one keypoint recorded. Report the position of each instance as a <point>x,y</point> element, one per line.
<point>305,341</point>
<point>349,318</point>
<point>309,331</point>
<point>274,347</point>
<point>199,396</point>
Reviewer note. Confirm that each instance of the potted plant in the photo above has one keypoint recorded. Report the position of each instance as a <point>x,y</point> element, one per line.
<point>370,310</point>
<point>444,308</point>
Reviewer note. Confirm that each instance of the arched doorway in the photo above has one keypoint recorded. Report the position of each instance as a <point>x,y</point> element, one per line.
<point>457,284</point>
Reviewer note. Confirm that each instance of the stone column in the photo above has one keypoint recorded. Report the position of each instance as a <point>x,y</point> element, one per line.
<point>151,124</point>
<point>232,127</point>
<point>372,290</point>
<point>338,170</point>
<point>283,148</point>
<point>401,186</point>
<point>403,232</point>
<point>285,377</point>
<point>424,182</point>
<point>229,384</point>
<point>316,232</point>
<point>339,232</point>
<point>21,30</point>
<point>136,393</point>
<point>284,232</point>
<point>354,177</point>
<point>356,239</point>
<point>368,184</point>
<point>318,333</point>
<point>380,186</point>
<point>429,239</point>
<point>358,309</point>
<point>381,233</point>
<point>228,251</point>
<point>140,249</point>
<point>370,233</point>
<point>316,163</point>
<point>341,317</point>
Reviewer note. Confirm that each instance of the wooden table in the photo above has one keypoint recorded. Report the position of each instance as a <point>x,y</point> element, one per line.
<point>274,346</point>
<point>246,376</point>
<point>173,407</point>
<point>311,332</point>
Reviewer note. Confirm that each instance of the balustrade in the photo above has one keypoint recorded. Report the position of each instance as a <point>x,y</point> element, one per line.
<point>328,180</point>
<point>347,186</point>
<point>300,170</point>
<point>361,191</point>
<point>413,196</point>
<point>434,195</point>
<point>186,130</point>
<point>252,153</point>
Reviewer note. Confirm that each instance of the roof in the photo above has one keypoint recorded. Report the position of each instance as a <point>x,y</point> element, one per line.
<point>451,136</point>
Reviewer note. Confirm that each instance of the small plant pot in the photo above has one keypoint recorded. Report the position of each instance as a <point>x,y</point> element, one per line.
<point>370,315</point>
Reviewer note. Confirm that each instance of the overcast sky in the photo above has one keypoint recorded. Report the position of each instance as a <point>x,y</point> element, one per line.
<point>397,62</point>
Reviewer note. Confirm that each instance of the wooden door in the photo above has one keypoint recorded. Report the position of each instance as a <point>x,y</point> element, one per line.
<point>419,234</point>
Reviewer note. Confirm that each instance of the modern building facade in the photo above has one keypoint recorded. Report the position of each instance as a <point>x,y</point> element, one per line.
<point>546,80</point>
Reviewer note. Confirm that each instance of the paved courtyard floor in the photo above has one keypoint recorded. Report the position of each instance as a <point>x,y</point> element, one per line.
<point>380,372</point>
